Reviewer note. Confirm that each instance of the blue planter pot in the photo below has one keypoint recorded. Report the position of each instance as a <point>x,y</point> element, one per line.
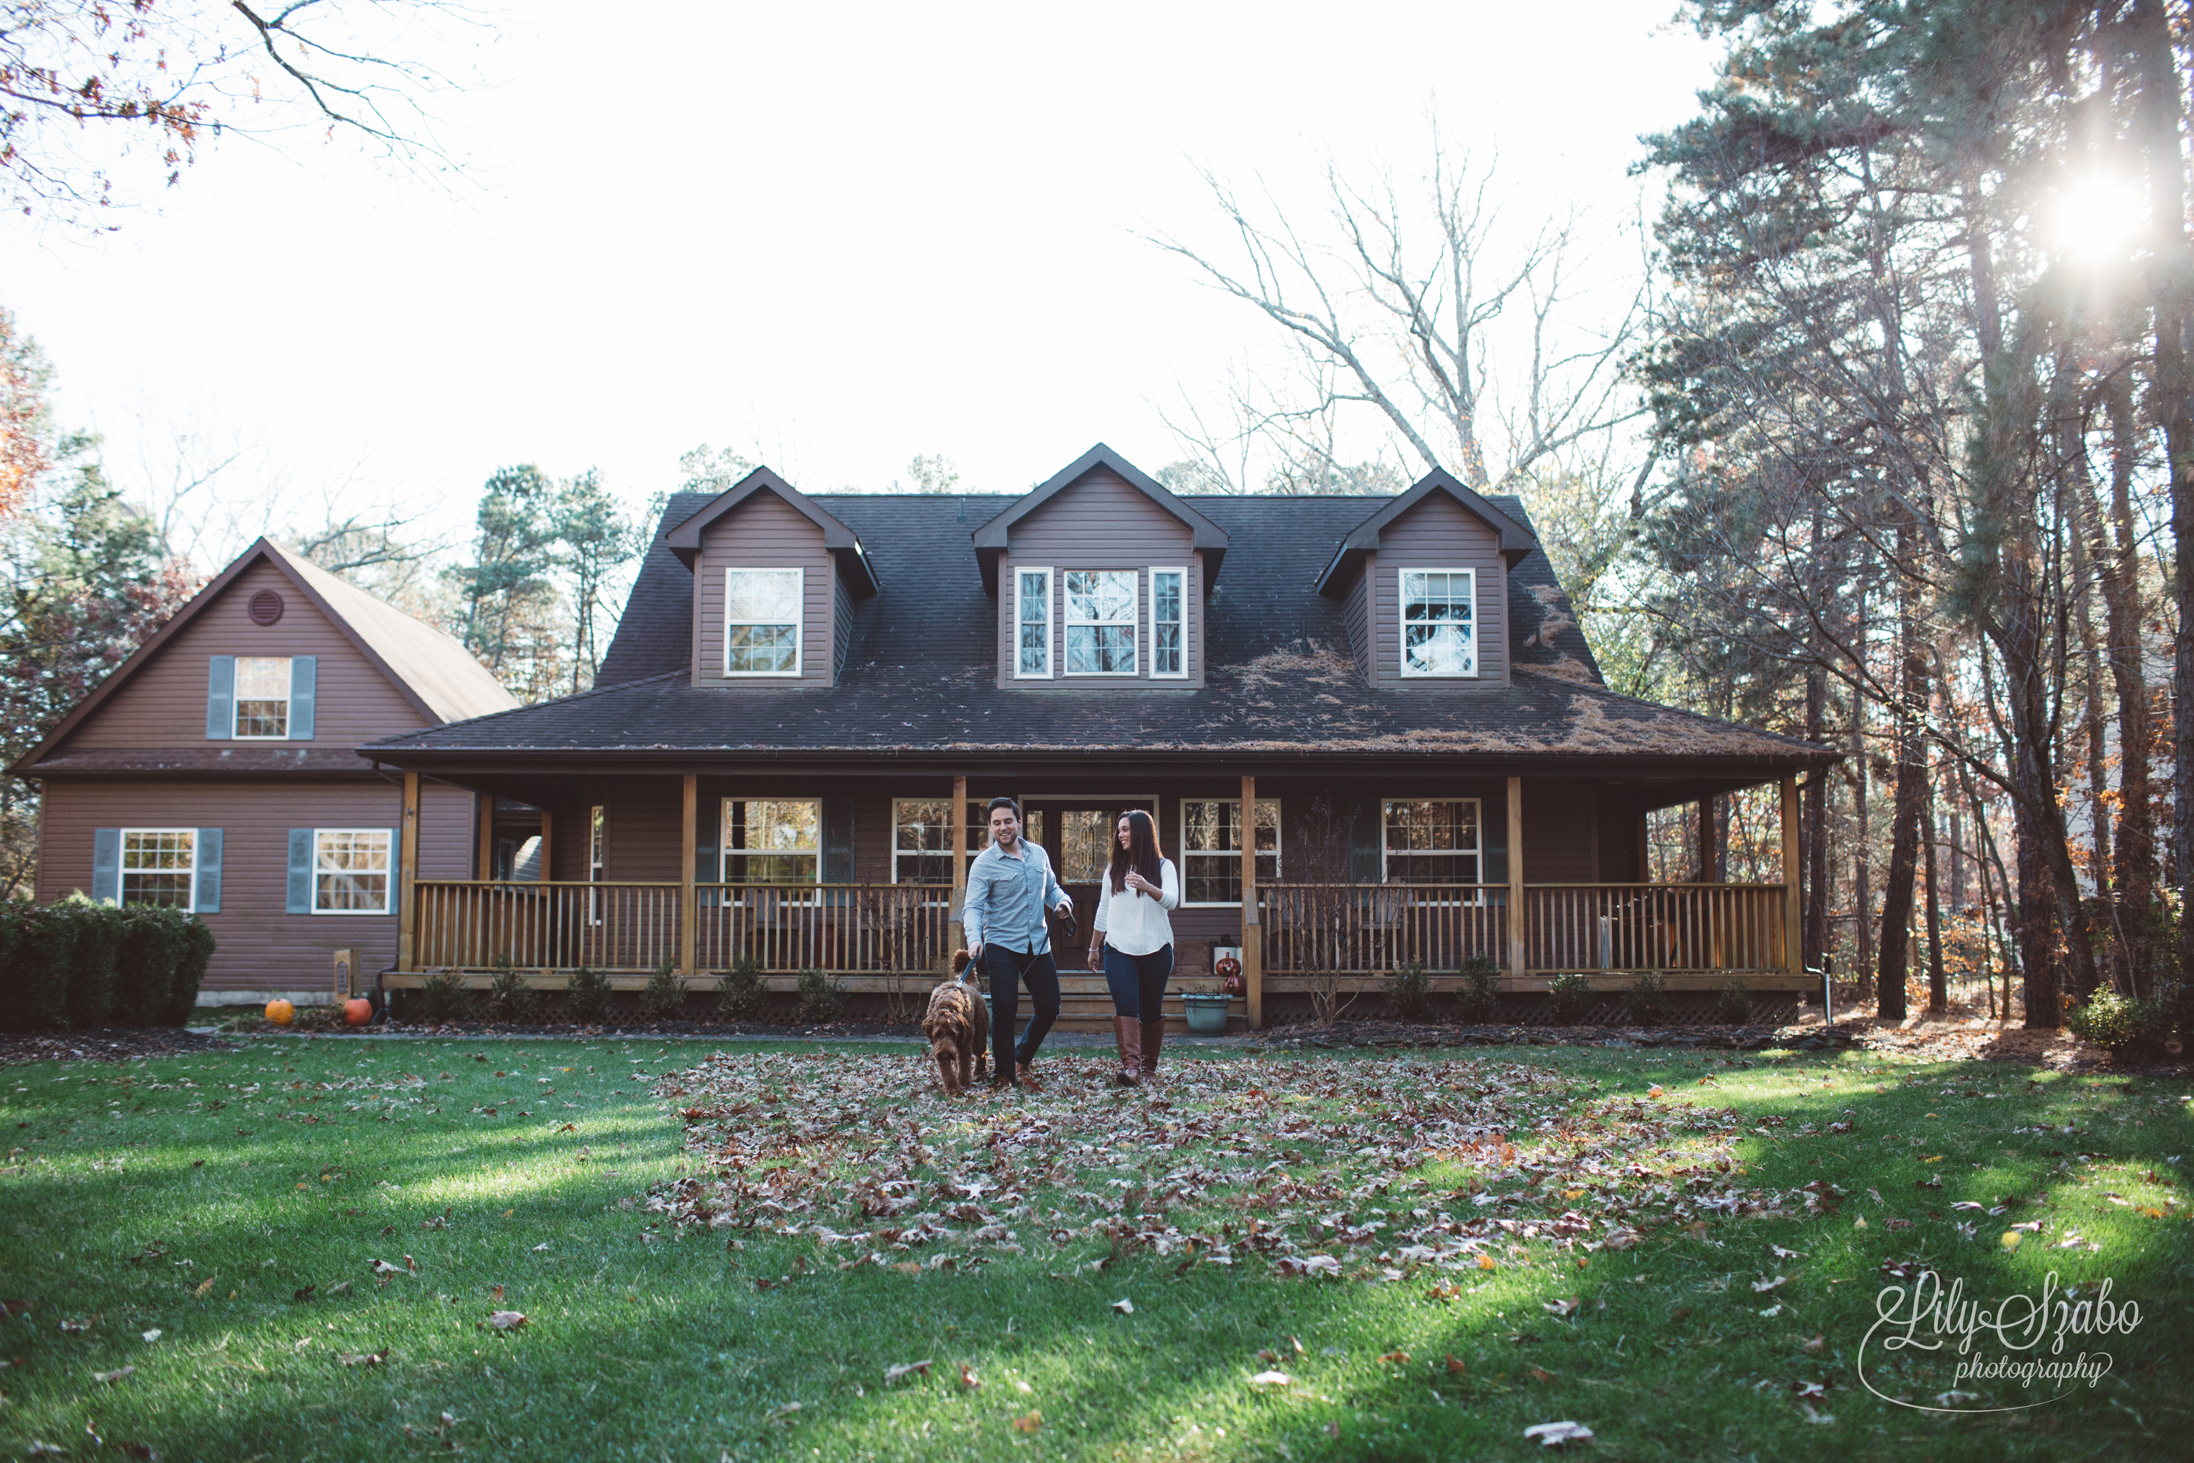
<point>1207,1013</point>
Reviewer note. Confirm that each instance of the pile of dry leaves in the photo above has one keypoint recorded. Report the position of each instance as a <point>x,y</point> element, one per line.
<point>1373,1170</point>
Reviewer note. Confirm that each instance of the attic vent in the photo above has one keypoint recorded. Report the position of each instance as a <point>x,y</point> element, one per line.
<point>266,607</point>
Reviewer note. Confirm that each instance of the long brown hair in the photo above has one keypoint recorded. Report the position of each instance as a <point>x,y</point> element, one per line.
<point>1142,853</point>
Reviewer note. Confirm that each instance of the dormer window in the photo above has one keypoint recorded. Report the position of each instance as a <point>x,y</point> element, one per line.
<point>762,615</point>
<point>1439,622</point>
<point>1168,622</point>
<point>1032,624</point>
<point>262,697</point>
<point>1100,622</point>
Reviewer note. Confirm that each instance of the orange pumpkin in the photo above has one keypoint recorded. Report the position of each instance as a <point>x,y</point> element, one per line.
<point>357,1010</point>
<point>281,1013</point>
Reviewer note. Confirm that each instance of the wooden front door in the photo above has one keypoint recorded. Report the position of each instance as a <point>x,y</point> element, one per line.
<point>1078,834</point>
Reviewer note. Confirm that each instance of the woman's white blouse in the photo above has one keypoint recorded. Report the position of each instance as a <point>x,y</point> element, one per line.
<point>1131,921</point>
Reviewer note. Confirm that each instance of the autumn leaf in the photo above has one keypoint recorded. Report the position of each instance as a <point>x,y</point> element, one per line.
<point>367,1358</point>
<point>507,1320</point>
<point>204,1288</point>
<point>1455,1367</point>
<point>115,1375</point>
<point>1551,1434</point>
<point>1028,1422</point>
<point>1270,1379</point>
<point>383,1267</point>
<point>1564,1307</point>
<point>1395,1356</point>
<point>1124,1306</point>
<point>968,1379</point>
<point>894,1373</point>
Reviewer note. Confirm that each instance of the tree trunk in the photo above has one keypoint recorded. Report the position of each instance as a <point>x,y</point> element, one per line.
<point>1911,794</point>
<point>1813,820</point>
<point>2072,452</point>
<point>1938,983</point>
<point>2134,876</point>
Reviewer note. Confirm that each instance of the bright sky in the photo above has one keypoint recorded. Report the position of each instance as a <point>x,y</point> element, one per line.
<point>838,235</point>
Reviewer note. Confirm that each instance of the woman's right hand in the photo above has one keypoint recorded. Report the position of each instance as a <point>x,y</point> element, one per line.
<point>1097,957</point>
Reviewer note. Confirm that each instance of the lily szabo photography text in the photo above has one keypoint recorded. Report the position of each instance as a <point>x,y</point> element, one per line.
<point>2041,1345</point>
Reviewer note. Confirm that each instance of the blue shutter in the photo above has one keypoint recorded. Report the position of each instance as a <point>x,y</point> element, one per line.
<point>106,865</point>
<point>1366,842</point>
<point>220,698</point>
<point>396,867</point>
<point>209,871</point>
<point>300,871</point>
<point>304,689</point>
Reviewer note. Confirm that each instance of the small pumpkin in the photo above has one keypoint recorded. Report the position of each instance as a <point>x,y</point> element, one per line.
<point>281,1013</point>
<point>357,1011</point>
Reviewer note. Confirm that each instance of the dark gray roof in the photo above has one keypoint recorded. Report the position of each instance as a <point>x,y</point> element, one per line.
<point>921,670</point>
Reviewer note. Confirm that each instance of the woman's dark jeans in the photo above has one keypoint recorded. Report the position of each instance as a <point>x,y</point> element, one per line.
<point>1007,969</point>
<point>1138,982</point>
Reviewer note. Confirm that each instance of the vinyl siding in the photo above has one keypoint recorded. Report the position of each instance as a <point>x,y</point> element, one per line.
<point>1618,839</point>
<point>164,703</point>
<point>841,623</point>
<point>1558,840</point>
<point>763,532</point>
<point>1439,533</point>
<point>1101,522</point>
<point>1356,612</point>
<point>261,946</point>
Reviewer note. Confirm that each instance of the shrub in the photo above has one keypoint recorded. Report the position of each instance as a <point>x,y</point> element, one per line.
<point>154,943</point>
<point>190,970</point>
<point>1479,1000</point>
<point>99,931</point>
<point>45,950</point>
<point>443,997</point>
<point>1568,999</point>
<point>821,998</point>
<point>586,995</point>
<point>1646,1002</point>
<point>1410,989</point>
<point>508,997</point>
<point>742,994</point>
<point>2126,1026</point>
<point>1733,1004</point>
<point>664,996</point>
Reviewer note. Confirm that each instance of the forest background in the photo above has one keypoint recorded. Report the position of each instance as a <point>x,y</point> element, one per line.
<point>1878,430</point>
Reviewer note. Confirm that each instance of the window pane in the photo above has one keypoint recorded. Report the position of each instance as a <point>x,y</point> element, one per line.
<point>762,595</point>
<point>761,621</point>
<point>1432,842</point>
<point>1166,624</point>
<point>598,837</point>
<point>772,840</point>
<point>1100,622</point>
<point>1085,845</point>
<point>1101,649</point>
<point>767,648</point>
<point>351,870</point>
<point>1033,602</point>
<point>262,696</point>
<point>1438,633</point>
<point>156,867</point>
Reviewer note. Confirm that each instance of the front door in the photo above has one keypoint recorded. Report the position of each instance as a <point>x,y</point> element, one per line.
<point>1077,833</point>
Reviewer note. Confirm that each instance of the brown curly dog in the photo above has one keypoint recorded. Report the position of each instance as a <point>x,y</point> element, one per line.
<point>958,1028</point>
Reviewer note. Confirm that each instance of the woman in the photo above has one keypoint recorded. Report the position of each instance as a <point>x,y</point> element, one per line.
<point>1136,940</point>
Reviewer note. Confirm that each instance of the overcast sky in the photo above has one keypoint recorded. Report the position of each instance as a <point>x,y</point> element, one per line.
<point>839,236</point>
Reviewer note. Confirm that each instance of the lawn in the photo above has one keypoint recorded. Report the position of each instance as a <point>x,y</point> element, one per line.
<point>318,1249</point>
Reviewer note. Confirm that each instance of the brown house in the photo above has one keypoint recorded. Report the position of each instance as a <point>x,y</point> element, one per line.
<point>810,698</point>
<point>217,770</point>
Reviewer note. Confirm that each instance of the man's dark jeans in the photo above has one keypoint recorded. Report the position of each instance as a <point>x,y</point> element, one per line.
<point>1007,969</point>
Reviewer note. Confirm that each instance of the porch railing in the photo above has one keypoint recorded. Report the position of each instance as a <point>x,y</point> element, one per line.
<point>1695,927</point>
<point>474,925</point>
<point>839,929</point>
<point>1375,929</point>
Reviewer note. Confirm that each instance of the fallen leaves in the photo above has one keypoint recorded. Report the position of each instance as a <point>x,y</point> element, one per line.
<point>1397,1357</point>
<point>911,1368</point>
<point>1028,1422</point>
<point>968,1379</point>
<point>1124,1306</point>
<point>1271,1378</point>
<point>506,1320</point>
<point>1455,1368</point>
<point>1553,1434</point>
<point>363,1358</point>
<point>114,1376</point>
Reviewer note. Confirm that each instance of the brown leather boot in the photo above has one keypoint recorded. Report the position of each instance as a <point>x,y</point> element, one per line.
<point>1127,1033</point>
<point>1154,1036</point>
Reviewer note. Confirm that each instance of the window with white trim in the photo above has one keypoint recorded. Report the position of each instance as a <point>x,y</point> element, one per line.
<point>1168,622</point>
<point>597,858</point>
<point>918,831</point>
<point>1100,622</point>
<point>1032,623</point>
<point>160,867</point>
<point>1439,622</point>
<point>763,612</point>
<point>1431,840</point>
<point>262,697</point>
<point>773,840</point>
<point>1211,849</point>
<point>350,870</point>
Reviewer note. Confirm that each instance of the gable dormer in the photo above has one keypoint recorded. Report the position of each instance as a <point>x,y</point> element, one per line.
<point>1424,583</point>
<point>774,580</point>
<point>1100,576</point>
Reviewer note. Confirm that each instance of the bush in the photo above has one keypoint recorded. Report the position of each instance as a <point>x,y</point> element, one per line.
<point>742,994</point>
<point>508,997</point>
<point>1569,999</point>
<point>1733,1005</point>
<point>664,996</point>
<point>2125,1026</point>
<point>154,944</point>
<point>99,931</point>
<point>1410,989</point>
<point>586,995</point>
<point>45,954</point>
<point>1479,1000</point>
<point>190,970</point>
<point>443,997</point>
<point>821,998</point>
<point>1646,1002</point>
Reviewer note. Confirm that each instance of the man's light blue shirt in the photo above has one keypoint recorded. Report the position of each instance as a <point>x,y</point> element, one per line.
<point>1008,897</point>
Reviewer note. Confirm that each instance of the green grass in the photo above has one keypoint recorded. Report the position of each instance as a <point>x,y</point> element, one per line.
<point>197,1196</point>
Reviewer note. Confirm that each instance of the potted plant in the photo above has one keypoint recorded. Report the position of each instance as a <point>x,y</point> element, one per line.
<point>1206,1011</point>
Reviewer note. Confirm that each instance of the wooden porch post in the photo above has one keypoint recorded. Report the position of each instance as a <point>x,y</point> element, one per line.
<point>955,835</point>
<point>484,856</point>
<point>1515,876</point>
<point>1793,945</point>
<point>1707,832</point>
<point>548,870</point>
<point>407,897</point>
<point>688,913</point>
<point>1253,940</point>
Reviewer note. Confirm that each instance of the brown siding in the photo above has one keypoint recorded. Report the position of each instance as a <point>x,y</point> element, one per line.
<point>1618,836</point>
<point>764,532</point>
<point>1558,842</point>
<point>1439,533</point>
<point>1357,612</point>
<point>1102,522</point>
<point>164,703</point>
<point>261,946</point>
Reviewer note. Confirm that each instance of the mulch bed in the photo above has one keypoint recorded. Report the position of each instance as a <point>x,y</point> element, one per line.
<point>114,1044</point>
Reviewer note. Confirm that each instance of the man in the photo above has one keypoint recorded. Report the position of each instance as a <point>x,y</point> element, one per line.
<point>1009,886</point>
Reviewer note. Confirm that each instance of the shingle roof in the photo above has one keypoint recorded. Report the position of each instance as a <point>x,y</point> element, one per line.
<point>922,665</point>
